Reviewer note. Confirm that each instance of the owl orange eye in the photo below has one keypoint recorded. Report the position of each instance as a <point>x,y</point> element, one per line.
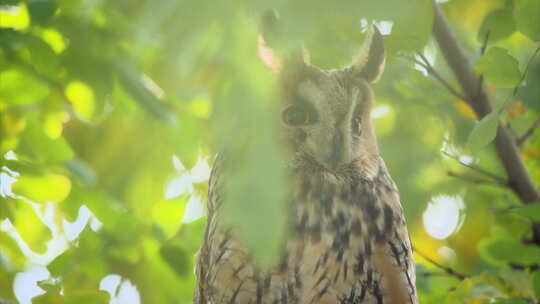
<point>297,115</point>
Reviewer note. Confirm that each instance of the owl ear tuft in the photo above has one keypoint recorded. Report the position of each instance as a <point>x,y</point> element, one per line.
<point>370,60</point>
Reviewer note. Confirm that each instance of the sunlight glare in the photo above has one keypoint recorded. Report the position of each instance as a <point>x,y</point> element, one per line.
<point>443,216</point>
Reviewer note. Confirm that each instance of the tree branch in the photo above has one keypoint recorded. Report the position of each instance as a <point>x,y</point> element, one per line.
<point>477,169</point>
<point>477,181</point>
<point>530,131</point>
<point>431,71</point>
<point>477,97</point>
<point>446,269</point>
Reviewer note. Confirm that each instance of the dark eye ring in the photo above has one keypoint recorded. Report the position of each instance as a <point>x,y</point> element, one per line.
<point>297,115</point>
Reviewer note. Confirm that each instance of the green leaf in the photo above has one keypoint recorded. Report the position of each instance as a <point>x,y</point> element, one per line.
<point>41,148</point>
<point>499,68</point>
<point>41,11</point>
<point>511,251</point>
<point>500,24</point>
<point>51,187</point>
<point>177,258</point>
<point>527,12</point>
<point>19,88</point>
<point>531,211</point>
<point>42,56</point>
<point>484,132</point>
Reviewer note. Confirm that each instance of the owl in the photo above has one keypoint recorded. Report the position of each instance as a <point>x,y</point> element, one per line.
<point>348,240</point>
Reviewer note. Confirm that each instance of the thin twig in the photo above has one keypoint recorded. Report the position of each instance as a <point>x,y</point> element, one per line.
<point>477,181</point>
<point>521,140</point>
<point>429,68</point>
<point>446,269</point>
<point>476,168</point>
<point>482,51</point>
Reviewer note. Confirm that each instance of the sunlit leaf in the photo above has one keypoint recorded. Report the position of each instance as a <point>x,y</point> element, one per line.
<point>50,187</point>
<point>53,124</point>
<point>82,99</point>
<point>168,214</point>
<point>484,132</point>
<point>14,17</point>
<point>527,12</point>
<point>54,39</point>
<point>19,88</point>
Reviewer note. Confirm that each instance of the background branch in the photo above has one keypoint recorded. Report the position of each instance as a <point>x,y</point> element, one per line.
<point>529,132</point>
<point>477,97</point>
<point>446,269</point>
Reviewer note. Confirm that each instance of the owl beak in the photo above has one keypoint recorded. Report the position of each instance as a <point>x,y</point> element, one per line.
<point>336,151</point>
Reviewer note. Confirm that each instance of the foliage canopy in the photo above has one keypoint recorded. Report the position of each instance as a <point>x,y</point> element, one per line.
<point>110,112</point>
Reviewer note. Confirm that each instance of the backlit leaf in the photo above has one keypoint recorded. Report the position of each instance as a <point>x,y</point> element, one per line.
<point>50,187</point>
<point>499,68</point>
<point>484,132</point>
<point>527,12</point>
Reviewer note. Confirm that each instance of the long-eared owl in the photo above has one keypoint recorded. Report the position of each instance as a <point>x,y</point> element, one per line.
<point>348,242</point>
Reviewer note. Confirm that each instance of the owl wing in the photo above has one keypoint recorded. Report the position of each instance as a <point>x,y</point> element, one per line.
<point>204,256</point>
<point>392,255</point>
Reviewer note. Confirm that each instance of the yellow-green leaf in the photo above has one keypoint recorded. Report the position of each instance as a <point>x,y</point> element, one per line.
<point>50,187</point>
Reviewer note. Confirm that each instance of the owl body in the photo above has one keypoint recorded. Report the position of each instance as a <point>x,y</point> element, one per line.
<point>348,241</point>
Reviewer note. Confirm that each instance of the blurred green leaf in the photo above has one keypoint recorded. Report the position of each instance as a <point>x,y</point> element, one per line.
<point>531,211</point>
<point>41,148</point>
<point>484,132</point>
<point>500,24</point>
<point>144,92</point>
<point>41,11</point>
<point>506,250</point>
<point>177,258</point>
<point>527,12</point>
<point>43,57</point>
<point>499,68</point>
<point>51,187</point>
<point>19,88</point>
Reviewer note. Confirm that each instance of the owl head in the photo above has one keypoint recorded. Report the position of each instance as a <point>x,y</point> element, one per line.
<point>326,113</point>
